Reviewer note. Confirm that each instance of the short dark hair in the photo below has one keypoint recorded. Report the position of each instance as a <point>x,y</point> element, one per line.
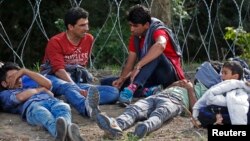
<point>74,14</point>
<point>4,69</point>
<point>235,67</point>
<point>139,14</point>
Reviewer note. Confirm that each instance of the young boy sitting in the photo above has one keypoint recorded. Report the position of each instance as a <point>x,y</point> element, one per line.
<point>217,104</point>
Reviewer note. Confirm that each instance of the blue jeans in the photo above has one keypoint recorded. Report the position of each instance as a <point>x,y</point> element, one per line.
<point>159,71</point>
<point>108,94</point>
<point>45,113</point>
<point>155,110</point>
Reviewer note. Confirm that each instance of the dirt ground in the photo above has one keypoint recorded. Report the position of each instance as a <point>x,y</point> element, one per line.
<point>13,128</point>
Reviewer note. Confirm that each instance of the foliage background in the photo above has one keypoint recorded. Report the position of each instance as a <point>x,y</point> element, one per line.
<point>199,24</point>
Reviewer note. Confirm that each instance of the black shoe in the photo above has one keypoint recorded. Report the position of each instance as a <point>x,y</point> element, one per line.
<point>74,133</point>
<point>61,129</point>
<point>141,130</point>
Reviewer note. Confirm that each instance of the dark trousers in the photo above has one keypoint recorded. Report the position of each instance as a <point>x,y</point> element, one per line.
<point>160,71</point>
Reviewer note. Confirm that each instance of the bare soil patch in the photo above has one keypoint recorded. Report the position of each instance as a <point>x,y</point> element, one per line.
<point>13,128</point>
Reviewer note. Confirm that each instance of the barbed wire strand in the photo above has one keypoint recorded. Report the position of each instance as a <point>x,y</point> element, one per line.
<point>207,41</point>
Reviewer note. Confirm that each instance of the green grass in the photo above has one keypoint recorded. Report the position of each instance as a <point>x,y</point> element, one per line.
<point>191,66</point>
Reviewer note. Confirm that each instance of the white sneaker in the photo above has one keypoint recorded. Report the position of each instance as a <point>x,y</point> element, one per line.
<point>92,102</point>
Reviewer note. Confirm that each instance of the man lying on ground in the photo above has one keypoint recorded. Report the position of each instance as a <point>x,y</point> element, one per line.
<point>38,105</point>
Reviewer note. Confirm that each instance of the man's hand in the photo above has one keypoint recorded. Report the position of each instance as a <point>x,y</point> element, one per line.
<point>48,92</point>
<point>118,82</point>
<point>188,84</point>
<point>183,83</point>
<point>25,95</point>
<point>196,122</point>
<point>84,93</point>
<point>40,89</point>
<point>14,78</point>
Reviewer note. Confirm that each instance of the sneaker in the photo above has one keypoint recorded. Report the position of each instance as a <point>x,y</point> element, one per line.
<point>152,90</point>
<point>126,96</point>
<point>74,133</point>
<point>109,125</point>
<point>92,102</point>
<point>61,129</point>
<point>141,130</point>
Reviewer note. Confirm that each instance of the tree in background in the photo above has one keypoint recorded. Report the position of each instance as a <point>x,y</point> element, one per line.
<point>161,9</point>
<point>199,26</point>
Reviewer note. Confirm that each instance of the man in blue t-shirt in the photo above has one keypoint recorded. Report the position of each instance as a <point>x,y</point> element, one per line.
<point>37,105</point>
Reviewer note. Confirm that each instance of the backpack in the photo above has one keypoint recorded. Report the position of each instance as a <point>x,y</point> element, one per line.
<point>79,74</point>
<point>208,73</point>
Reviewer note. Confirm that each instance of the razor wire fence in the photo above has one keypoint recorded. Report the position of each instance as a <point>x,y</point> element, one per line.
<point>200,33</point>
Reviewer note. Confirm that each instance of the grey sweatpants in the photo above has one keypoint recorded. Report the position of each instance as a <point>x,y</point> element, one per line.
<point>155,110</point>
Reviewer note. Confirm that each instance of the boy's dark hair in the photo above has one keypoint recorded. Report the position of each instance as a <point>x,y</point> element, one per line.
<point>217,65</point>
<point>74,14</point>
<point>4,69</point>
<point>235,67</point>
<point>139,14</point>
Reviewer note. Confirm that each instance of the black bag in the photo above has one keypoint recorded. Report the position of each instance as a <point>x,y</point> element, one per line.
<point>78,73</point>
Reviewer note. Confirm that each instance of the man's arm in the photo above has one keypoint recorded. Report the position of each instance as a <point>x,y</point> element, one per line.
<point>190,88</point>
<point>11,98</point>
<point>25,95</point>
<point>125,73</point>
<point>64,75</point>
<point>156,50</point>
<point>40,79</point>
<point>54,53</point>
<point>191,96</point>
<point>129,64</point>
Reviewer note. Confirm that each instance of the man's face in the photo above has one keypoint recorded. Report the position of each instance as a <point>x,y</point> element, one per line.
<point>80,28</point>
<point>226,74</point>
<point>138,29</point>
<point>9,78</point>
